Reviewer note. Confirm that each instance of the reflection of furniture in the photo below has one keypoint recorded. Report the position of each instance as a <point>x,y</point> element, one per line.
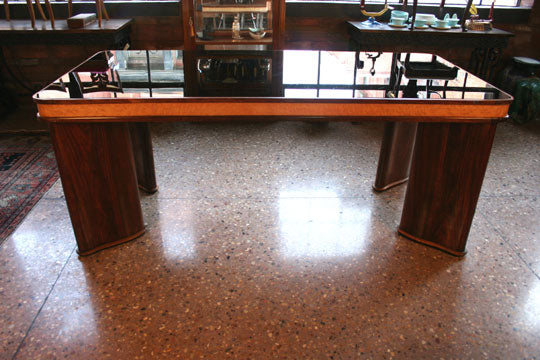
<point>399,137</point>
<point>103,77</point>
<point>209,22</point>
<point>484,46</point>
<point>235,73</point>
<point>97,138</point>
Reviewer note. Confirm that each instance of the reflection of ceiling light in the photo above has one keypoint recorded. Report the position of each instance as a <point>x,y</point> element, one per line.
<point>176,235</point>
<point>532,308</point>
<point>317,224</point>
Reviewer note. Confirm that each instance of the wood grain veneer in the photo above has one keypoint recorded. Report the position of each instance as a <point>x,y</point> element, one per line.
<point>99,181</point>
<point>144,156</point>
<point>207,107</point>
<point>447,171</point>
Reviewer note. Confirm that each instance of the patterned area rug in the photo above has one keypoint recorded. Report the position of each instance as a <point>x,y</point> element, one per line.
<point>27,170</point>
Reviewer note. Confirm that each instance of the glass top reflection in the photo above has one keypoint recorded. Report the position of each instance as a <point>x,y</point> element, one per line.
<point>287,74</point>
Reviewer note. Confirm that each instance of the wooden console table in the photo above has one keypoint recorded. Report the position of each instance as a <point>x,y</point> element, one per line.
<point>113,34</point>
<point>485,47</point>
<point>19,35</point>
<point>97,117</point>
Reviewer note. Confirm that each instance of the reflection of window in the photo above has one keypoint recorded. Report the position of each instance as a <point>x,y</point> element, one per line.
<point>151,72</point>
<point>333,74</point>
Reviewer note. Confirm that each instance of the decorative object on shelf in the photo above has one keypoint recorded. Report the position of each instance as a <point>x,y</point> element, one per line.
<point>420,24</point>
<point>372,15</point>
<point>398,18</point>
<point>482,25</point>
<point>441,24</point>
<point>427,19</point>
<point>100,10</point>
<point>475,23</point>
<point>80,20</point>
<point>256,34</point>
<point>398,14</point>
<point>452,21</point>
<point>236,29</point>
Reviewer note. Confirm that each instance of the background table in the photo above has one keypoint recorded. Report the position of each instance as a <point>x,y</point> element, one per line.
<point>22,53</point>
<point>483,47</point>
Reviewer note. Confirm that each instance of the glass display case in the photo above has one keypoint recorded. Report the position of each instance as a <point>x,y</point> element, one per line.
<point>218,24</point>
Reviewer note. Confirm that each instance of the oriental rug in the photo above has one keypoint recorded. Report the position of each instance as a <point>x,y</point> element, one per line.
<point>27,170</point>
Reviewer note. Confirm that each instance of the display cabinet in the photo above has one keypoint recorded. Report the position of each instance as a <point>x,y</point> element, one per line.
<point>220,24</point>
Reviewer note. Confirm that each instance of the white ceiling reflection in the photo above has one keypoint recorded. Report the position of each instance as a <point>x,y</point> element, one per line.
<point>316,223</point>
<point>177,246</point>
<point>79,322</point>
<point>532,307</point>
<point>177,239</point>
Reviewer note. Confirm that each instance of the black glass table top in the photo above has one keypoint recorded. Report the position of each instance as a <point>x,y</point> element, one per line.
<point>283,74</point>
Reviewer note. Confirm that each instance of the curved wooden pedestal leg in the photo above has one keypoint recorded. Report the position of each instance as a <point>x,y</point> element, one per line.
<point>98,175</point>
<point>144,156</point>
<point>446,176</point>
<point>395,156</point>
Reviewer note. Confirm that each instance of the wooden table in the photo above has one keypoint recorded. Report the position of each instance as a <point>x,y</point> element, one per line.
<point>483,47</point>
<point>113,34</point>
<point>19,34</point>
<point>104,152</point>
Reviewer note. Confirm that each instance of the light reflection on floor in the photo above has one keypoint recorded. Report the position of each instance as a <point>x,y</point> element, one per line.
<point>174,227</point>
<point>316,223</point>
<point>285,252</point>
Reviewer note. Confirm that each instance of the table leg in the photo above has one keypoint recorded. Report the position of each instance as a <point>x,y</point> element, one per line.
<point>447,171</point>
<point>98,175</point>
<point>144,156</point>
<point>395,156</point>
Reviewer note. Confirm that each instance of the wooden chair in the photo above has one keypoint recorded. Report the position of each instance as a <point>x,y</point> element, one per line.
<point>31,11</point>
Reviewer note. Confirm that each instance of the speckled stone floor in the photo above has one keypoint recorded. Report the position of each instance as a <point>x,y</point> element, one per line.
<point>266,241</point>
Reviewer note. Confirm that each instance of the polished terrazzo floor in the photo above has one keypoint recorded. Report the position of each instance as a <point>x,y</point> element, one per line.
<point>266,241</point>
